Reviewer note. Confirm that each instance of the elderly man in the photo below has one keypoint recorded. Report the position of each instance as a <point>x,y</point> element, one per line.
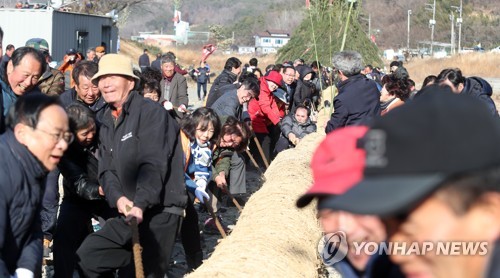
<point>138,170</point>
<point>173,87</point>
<point>35,140</point>
<point>358,100</point>
<point>91,55</point>
<point>438,194</point>
<point>85,91</point>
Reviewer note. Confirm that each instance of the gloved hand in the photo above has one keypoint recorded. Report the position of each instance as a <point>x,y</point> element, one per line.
<point>168,105</point>
<point>200,193</point>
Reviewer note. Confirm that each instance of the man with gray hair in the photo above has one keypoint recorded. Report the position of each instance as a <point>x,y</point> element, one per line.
<point>358,99</point>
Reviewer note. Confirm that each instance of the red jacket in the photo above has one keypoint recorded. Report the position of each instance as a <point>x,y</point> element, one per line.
<point>266,110</point>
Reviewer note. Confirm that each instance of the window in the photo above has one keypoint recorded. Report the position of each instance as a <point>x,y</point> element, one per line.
<point>266,40</point>
<point>278,41</point>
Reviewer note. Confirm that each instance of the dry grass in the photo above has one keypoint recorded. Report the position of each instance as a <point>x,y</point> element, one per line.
<point>471,64</point>
<point>189,56</point>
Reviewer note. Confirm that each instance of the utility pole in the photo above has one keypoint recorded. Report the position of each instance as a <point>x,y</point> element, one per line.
<point>452,18</point>
<point>408,39</point>
<point>459,22</point>
<point>432,22</point>
<point>369,26</point>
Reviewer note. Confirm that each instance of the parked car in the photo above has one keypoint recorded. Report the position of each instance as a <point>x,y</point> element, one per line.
<point>496,49</point>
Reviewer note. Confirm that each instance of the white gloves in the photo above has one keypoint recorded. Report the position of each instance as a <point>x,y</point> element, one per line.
<point>23,273</point>
<point>168,105</point>
<point>201,194</point>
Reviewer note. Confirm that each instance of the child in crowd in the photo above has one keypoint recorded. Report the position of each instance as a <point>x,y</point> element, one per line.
<point>198,132</point>
<point>294,128</point>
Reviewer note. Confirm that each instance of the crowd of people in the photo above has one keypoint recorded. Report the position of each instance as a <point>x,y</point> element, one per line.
<point>397,164</point>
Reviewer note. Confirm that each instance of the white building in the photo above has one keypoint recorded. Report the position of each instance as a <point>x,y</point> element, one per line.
<point>62,30</point>
<point>270,40</point>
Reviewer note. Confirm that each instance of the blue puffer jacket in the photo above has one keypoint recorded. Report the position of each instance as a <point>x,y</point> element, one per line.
<point>21,183</point>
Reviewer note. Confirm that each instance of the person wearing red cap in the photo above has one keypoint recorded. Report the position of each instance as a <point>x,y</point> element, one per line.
<point>266,114</point>
<point>337,165</point>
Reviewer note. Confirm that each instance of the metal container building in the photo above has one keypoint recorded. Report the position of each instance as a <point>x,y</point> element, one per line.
<point>62,30</point>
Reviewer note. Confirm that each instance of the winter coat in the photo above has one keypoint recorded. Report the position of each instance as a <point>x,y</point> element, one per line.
<point>202,75</point>
<point>51,82</point>
<point>304,89</point>
<point>70,96</point>
<point>21,183</point>
<point>79,167</point>
<point>178,92</point>
<point>212,98</point>
<point>481,89</point>
<point>141,156</point>
<point>226,77</point>
<point>290,125</point>
<point>144,60</point>
<point>358,101</point>
<point>228,105</point>
<point>265,111</point>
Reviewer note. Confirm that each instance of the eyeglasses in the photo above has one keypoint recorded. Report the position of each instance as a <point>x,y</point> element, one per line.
<point>67,136</point>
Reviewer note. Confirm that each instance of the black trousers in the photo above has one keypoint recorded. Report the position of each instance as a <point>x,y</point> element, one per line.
<point>190,231</point>
<point>73,226</point>
<point>110,248</point>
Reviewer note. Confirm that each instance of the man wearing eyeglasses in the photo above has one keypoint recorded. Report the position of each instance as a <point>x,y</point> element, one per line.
<point>35,140</point>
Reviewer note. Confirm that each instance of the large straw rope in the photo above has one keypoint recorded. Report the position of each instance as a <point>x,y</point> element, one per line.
<point>273,238</point>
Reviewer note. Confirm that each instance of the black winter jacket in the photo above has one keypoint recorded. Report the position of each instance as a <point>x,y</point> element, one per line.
<point>481,89</point>
<point>357,103</point>
<point>21,183</point>
<point>225,78</point>
<point>70,96</point>
<point>79,168</point>
<point>141,156</point>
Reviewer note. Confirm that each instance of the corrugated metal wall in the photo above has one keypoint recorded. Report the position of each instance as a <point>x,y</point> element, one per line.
<point>59,29</point>
<point>95,30</point>
<point>21,25</point>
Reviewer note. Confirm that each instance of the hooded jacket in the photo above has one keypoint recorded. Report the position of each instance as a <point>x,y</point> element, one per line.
<point>141,156</point>
<point>481,89</point>
<point>265,111</point>
<point>304,89</point>
<point>21,183</point>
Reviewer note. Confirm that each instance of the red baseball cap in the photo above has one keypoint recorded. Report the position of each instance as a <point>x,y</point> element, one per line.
<point>337,164</point>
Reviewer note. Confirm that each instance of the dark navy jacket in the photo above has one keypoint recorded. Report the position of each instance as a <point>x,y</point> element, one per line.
<point>70,96</point>
<point>141,156</point>
<point>358,102</point>
<point>21,180</point>
<point>481,89</point>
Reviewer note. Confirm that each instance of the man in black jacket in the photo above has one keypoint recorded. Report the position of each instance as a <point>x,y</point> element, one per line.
<point>229,75</point>
<point>84,91</point>
<point>37,136</point>
<point>358,100</point>
<point>141,176</point>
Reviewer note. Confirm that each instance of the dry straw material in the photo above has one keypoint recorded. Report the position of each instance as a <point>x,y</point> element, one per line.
<point>273,238</point>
